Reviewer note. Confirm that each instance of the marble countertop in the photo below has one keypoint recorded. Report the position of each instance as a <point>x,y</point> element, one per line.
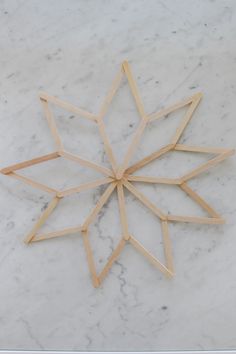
<point>73,50</point>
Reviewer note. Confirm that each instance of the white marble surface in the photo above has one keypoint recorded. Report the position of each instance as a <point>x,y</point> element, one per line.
<point>73,49</point>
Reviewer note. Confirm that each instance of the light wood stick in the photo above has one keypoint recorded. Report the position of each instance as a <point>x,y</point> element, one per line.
<point>199,200</point>
<point>28,163</point>
<point>67,106</point>
<point>32,183</point>
<point>149,158</point>
<point>186,118</point>
<point>86,163</point>
<point>59,233</point>
<point>150,257</point>
<point>112,259</point>
<point>144,200</point>
<point>107,145</point>
<point>52,124</point>
<point>149,179</point>
<point>205,166</point>
<point>103,199</point>
<point>90,259</point>
<point>85,186</point>
<point>42,219</point>
<point>201,149</point>
<point>167,246</point>
<point>195,219</point>
<point>174,107</point>
<point>122,209</point>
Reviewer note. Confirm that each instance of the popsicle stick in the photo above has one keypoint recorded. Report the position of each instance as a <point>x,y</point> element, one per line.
<point>150,257</point>
<point>199,200</point>
<point>67,106</point>
<point>195,219</point>
<point>86,163</point>
<point>149,158</point>
<point>59,233</point>
<point>149,179</point>
<point>42,219</point>
<point>52,124</point>
<point>85,186</point>
<point>174,107</point>
<point>107,145</point>
<point>103,199</point>
<point>112,259</point>
<point>205,166</point>
<point>122,209</point>
<point>132,148</point>
<point>167,246</point>
<point>90,259</point>
<point>32,183</point>
<point>201,149</point>
<point>31,162</point>
<point>144,200</point>
<point>111,93</point>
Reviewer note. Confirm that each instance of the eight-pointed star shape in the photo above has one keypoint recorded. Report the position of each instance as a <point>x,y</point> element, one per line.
<point>120,177</point>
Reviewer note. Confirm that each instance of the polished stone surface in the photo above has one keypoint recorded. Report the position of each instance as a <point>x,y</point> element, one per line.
<point>73,49</point>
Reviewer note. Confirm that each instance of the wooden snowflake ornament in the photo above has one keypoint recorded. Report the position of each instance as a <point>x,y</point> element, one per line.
<point>120,177</point>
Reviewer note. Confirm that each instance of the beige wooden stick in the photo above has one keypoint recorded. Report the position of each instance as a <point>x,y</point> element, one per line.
<point>59,233</point>
<point>201,149</point>
<point>167,246</point>
<point>85,186</point>
<point>112,259</point>
<point>67,106</point>
<point>150,257</point>
<point>52,124</point>
<point>90,259</point>
<point>107,145</point>
<point>205,166</point>
<point>32,183</point>
<point>149,158</point>
<point>86,163</point>
<point>199,200</point>
<point>122,209</point>
<point>42,219</point>
<point>144,200</point>
<point>149,179</point>
<point>195,219</point>
<point>103,199</point>
<point>186,118</point>
<point>174,107</point>
<point>28,163</point>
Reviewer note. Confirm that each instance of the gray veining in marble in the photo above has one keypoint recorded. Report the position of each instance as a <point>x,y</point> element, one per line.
<point>72,49</point>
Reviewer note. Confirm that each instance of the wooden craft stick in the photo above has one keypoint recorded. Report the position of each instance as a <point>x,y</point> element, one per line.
<point>28,163</point>
<point>48,235</point>
<point>174,107</point>
<point>32,183</point>
<point>52,124</point>
<point>86,163</point>
<point>67,106</point>
<point>186,118</point>
<point>90,259</point>
<point>167,246</point>
<point>107,145</point>
<point>205,166</point>
<point>103,199</point>
<point>149,158</point>
<point>149,179</point>
<point>201,149</point>
<point>85,186</point>
<point>134,89</point>
<point>114,87</point>
<point>144,200</point>
<point>42,219</point>
<point>199,200</point>
<point>132,148</point>
<point>150,257</point>
<point>195,219</point>
<point>112,259</point>
<point>122,209</point>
